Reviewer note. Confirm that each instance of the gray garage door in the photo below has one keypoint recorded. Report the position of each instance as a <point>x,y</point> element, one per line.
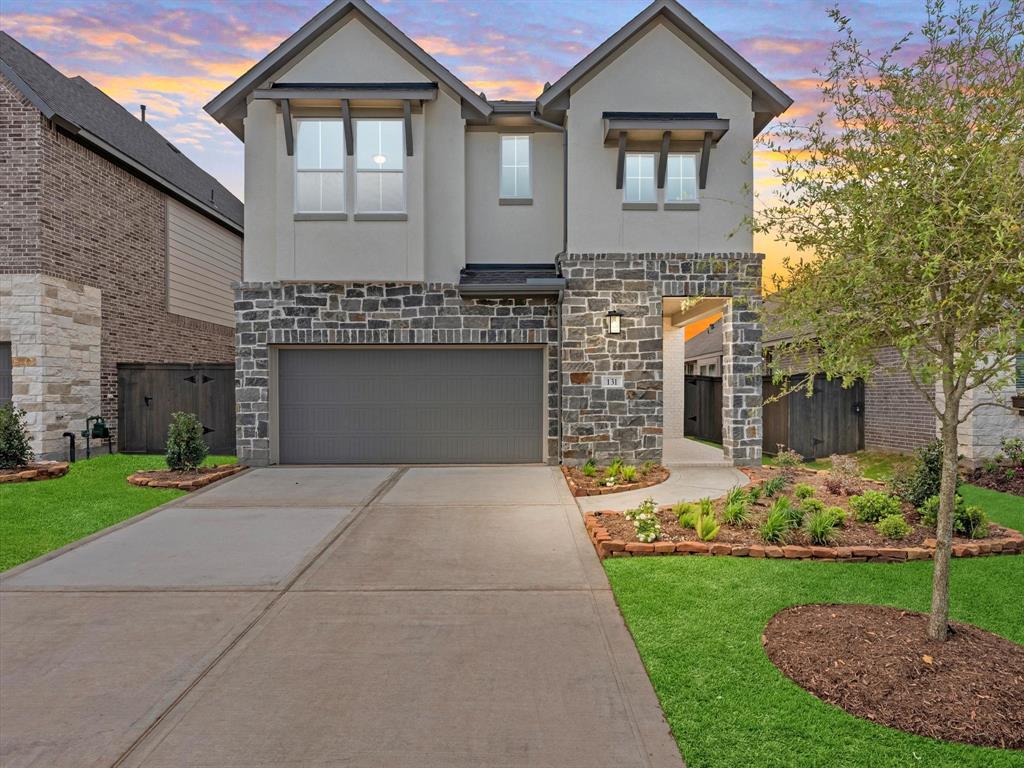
<point>405,405</point>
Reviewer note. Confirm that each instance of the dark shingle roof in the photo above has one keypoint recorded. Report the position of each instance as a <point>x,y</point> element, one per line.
<point>87,111</point>
<point>507,279</point>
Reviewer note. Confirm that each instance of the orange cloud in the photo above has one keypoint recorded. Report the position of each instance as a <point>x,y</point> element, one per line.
<point>507,89</point>
<point>793,47</point>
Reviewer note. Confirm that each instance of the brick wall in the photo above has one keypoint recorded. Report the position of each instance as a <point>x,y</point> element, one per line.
<point>896,416</point>
<point>101,226</point>
<point>21,149</point>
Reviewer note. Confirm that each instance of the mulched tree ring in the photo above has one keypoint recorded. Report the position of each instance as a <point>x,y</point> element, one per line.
<point>184,481</point>
<point>34,471</point>
<point>877,663</point>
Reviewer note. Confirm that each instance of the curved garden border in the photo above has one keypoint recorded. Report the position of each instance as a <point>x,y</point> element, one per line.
<point>577,490</point>
<point>40,470</point>
<point>1010,543</point>
<point>152,479</point>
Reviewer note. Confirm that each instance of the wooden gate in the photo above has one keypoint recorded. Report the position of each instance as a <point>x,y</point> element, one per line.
<point>149,393</point>
<point>702,408</point>
<point>830,421</point>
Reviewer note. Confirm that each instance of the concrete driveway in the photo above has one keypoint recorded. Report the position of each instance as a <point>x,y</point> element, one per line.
<point>330,616</point>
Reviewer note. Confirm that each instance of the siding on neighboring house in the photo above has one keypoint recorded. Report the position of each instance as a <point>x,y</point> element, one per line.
<point>203,262</point>
<point>896,415</point>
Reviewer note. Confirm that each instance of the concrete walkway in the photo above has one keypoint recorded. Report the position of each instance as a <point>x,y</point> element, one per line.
<point>330,616</point>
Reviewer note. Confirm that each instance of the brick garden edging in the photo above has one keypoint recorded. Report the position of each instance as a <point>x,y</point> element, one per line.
<point>147,478</point>
<point>43,470</point>
<point>1010,543</point>
<point>577,490</point>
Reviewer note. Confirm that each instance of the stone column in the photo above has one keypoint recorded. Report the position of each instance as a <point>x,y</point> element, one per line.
<point>674,373</point>
<point>742,429</point>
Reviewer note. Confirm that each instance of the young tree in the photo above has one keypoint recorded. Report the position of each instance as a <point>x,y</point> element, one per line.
<point>907,195</point>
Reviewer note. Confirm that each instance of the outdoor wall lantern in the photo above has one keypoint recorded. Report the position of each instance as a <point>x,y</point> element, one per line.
<point>613,322</point>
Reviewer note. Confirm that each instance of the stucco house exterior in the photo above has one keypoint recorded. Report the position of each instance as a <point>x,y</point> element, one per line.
<point>432,276</point>
<point>114,248</point>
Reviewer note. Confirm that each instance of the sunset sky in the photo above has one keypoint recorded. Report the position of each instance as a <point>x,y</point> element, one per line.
<point>175,55</point>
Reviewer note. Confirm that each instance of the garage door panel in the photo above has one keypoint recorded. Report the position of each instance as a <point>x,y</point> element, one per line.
<point>410,405</point>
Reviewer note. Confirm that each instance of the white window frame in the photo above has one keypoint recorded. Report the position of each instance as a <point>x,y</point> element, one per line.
<point>654,180</point>
<point>377,213</point>
<point>689,201</point>
<point>515,199</point>
<point>341,170</point>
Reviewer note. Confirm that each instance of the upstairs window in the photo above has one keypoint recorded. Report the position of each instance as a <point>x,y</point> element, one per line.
<point>515,168</point>
<point>320,166</point>
<point>639,186</point>
<point>681,179</point>
<point>380,166</point>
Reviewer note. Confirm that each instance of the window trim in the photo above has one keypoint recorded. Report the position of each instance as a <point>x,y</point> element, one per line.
<point>515,199</point>
<point>380,215</point>
<point>300,214</point>
<point>629,204</point>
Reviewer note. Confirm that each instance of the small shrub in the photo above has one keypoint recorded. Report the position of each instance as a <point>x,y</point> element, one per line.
<point>616,466</point>
<point>812,506</point>
<point>820,527</point>
<point>1010,473</point>
<point>787,459</point>
<point>1013,449</point>
<point>773,486</point>
<point>186,448</point>
<point>990,465</point>
<point>707,506</point>
<point>774,528</point>
<point>834,485</point>
<point>923,478</point>
<point>803,491</point>
<point>736,513</point>
<point>707,527</point>
<point>15,449</point>
<point>589,468</point>
<point>839,514</point>
<point>844,466</point>
<point>754,493</point>
<point>893,527</point>
<point>628,473</point>
<point>645,521</point>
<point>970,521</point>
<point>872,506</point>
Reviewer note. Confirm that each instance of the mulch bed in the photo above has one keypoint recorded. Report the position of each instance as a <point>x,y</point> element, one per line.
<point>997,479</point>
<point>581,485</point>
<point>614,534</point>
<point>877,663</point>
<point>185,481</point>
<point>33,471</point>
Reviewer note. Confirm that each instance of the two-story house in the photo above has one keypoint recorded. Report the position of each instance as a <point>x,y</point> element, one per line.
<point>117,260</point>
<point>431,276</point>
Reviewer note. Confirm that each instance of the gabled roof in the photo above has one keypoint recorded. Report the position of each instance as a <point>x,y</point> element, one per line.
<point>768,99</point>
<point>83,110</point>
<point>227,106</point>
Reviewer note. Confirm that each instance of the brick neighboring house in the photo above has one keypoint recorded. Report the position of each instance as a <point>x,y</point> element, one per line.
<point>897,417</point>
<point>114,248</point>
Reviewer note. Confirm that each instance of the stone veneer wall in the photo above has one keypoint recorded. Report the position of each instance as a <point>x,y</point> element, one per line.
<point>372,313</point>
<point>628,422</point>
<point>54,329</point>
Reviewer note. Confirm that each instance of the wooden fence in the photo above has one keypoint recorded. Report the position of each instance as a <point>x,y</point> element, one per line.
<point>830,421</point>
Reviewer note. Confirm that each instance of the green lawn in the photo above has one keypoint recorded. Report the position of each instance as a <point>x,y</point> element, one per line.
<point>697,622</point>
<point>876,465</point>
<point>1003,508</point>
<point>39,517</point>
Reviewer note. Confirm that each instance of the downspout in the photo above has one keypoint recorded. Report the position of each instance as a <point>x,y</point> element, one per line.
<point>565,244</point>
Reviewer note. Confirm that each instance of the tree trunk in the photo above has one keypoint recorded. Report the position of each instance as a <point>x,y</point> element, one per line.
<point>938,622</point>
